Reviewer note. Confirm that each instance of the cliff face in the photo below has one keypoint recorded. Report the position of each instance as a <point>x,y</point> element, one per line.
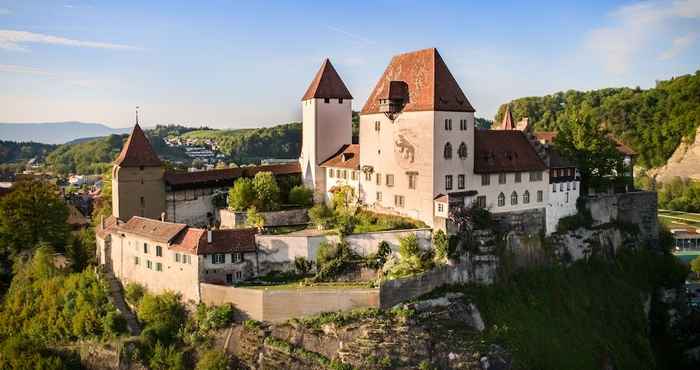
<point>442,333</point>
<point>684,163</point>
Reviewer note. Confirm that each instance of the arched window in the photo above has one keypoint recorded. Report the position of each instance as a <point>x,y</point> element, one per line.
<point>501,200</point>
<point>448,151</point>
<point>526,197</point>
<point>513,198</point>
<point>462,151</point>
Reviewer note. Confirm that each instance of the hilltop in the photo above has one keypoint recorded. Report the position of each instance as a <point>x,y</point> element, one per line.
<point>56,132</point>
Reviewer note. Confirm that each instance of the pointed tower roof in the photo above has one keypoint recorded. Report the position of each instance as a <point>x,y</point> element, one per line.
<point>508,123</point>
<point>138,151</point>
<point>430,85</point>
<point>327,84</point>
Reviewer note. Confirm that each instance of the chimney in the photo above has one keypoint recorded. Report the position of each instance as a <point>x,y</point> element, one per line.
<point>209,236</point>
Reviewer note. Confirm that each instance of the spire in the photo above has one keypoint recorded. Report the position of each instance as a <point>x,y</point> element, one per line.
<point>137,114</point>
<point>327,84</point>
<point>137,151</point>
<point>508,122</point>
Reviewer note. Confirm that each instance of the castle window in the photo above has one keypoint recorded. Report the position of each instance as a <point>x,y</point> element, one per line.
<point>177,257</point>
<point>441,207</point>
<point>501,200</point>
<point>218,258</point>
<point>554,188</point>
<point>136,260</point>
<point>448,151</point>
<point>412,180</point>
<point>481,201</point>
<point>377,126</point>
<point>159,266</point>
<point>561,187</point>
<point>462,151</point>
<point>236,257</point>
<point>340,101</point>
<point>353,175</point>
<point>463,124</point>
<point>399,201</point>
<point>513,198</point>
<point>379,196</point>
<point>186,259</point>
<point>448,124</point>
<point>389,180</point>
<point>518,177</point>
<point>460,182</point>
<point>149,264</point>
<point>379,178</point>
<point>526,197</point>
<point>330,173</point>
<point>159,251</point>
<point>501,178</point>
<point>535,176</point>
<point>229,278</point>
<point>574,185</point>
<point>142,200</point>
<point>145,248</point>
<point>485,180</point>
<point>568,186</point>
<point>567,197</point>
<point>539,196</point>
<point>448,182</point>
<point>140,168</point>
<point>326,100</point>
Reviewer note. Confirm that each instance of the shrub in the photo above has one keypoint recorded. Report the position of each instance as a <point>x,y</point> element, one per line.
<point>321,216</point>
<point>301,195</point>
<point>695,265</point>
<point>345,223</point>
<point>408,246</point>
<point>114,323</point>
<point>133,292</point>
<point>166,358</point>
<point>412,261</point>
<point>267,191</point>
<point>441,245</point>
<point>214,317</point>
<point>343,199</point>
<point>213,360</point>
<point>241,195</point>
<point>377,260</point>
<point>21,353</point>
<point>163,313</point>
<point>302,265</point>
<point>333,260</point>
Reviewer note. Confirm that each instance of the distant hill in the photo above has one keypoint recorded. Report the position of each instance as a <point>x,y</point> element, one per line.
<point>56,132</point>
<point>652,121</point>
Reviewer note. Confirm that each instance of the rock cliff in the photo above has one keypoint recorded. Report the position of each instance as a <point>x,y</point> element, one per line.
<point>684,163</point>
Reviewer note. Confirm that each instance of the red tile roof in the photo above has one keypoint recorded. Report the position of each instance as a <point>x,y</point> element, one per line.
<point>138,151</point>
<point>431,86</point>
<point>504,151</point>
<point>327,84</point>
<point>110,224</point>
<point>347,157</point>
<point>223,241</point>
<point>157,230</point>
<point>226,177</point>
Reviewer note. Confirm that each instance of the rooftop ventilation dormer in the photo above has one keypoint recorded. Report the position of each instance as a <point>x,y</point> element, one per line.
<point>392,101</point>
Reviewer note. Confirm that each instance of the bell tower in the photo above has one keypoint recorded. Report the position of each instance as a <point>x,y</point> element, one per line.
<point>138,186</point>
<point>327,124</point>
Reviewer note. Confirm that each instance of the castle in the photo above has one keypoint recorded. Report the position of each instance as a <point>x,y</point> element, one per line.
<point>419,155</point>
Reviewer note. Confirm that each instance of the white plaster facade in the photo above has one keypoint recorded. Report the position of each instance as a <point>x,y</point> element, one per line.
<point>561,202</point>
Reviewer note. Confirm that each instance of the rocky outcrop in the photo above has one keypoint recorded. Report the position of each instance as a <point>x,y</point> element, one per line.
<point>684,163</point>
<point>442,333</point>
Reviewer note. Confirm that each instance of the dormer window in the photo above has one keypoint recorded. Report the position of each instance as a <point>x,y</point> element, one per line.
<point>393,99</point>
<point>326,100</point>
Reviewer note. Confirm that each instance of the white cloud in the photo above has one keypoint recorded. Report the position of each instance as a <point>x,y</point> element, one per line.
<point>15,41</point>
<point>634,26</point>
<point>680,44</point>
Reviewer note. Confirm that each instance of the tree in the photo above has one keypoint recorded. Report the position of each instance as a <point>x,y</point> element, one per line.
<point>241,195</point>
<point>441,245</point>
<point>593,151</point>
<point>266,190</point>
<point>255,218</point>
<point>302,265</point>
<point>302,196</point>
<point>344,198</point>
<point>321,216</point>
<point>31,214</point>
<point>81,250</point>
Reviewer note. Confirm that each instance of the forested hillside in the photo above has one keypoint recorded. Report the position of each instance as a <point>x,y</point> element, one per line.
<point>12,151</point>
<point>652,121</point>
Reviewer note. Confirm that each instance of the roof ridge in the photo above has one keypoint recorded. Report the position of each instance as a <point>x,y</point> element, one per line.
<point>137,151</point>
<point>327,83</point>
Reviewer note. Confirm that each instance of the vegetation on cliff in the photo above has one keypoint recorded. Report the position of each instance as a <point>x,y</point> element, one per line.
<point>652,121</point>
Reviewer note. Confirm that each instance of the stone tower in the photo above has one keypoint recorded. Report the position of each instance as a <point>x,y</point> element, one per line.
<point>138,187</point>
<point>327,124</point>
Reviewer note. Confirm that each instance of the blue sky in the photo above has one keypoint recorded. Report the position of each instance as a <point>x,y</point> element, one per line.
<point>230,64</point>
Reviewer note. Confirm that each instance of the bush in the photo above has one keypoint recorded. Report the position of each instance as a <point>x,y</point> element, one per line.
<point>441,245</point>
<point>301,195</point>
<point>377,260</point>
<point>302,265</point>
<point>267,191</point>
<point>114,323</point>
<point>321,216</point>
<point>412,261</point>
<point>163,314</point>
<point>241,195</point>
<point>166,358</point>
<point>213,360</point>
<point>19,353</point>
<point>333,260</point>
<point>214,317</point>
<point>254,218</point>
<point>133,292</point>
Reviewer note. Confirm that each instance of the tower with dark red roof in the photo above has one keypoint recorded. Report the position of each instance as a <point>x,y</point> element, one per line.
<point>138,186</point>
<point>327,123</point>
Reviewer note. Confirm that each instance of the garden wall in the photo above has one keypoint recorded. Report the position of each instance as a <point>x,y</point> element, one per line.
<point>393,292</point>
<point>636,208</point>
<point>283,304</point>
<point>231,219</point>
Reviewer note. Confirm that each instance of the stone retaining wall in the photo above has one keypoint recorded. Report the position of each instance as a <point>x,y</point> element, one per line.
<point>636,208</point>
<point>393,292</point>
<point>232,219</point>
